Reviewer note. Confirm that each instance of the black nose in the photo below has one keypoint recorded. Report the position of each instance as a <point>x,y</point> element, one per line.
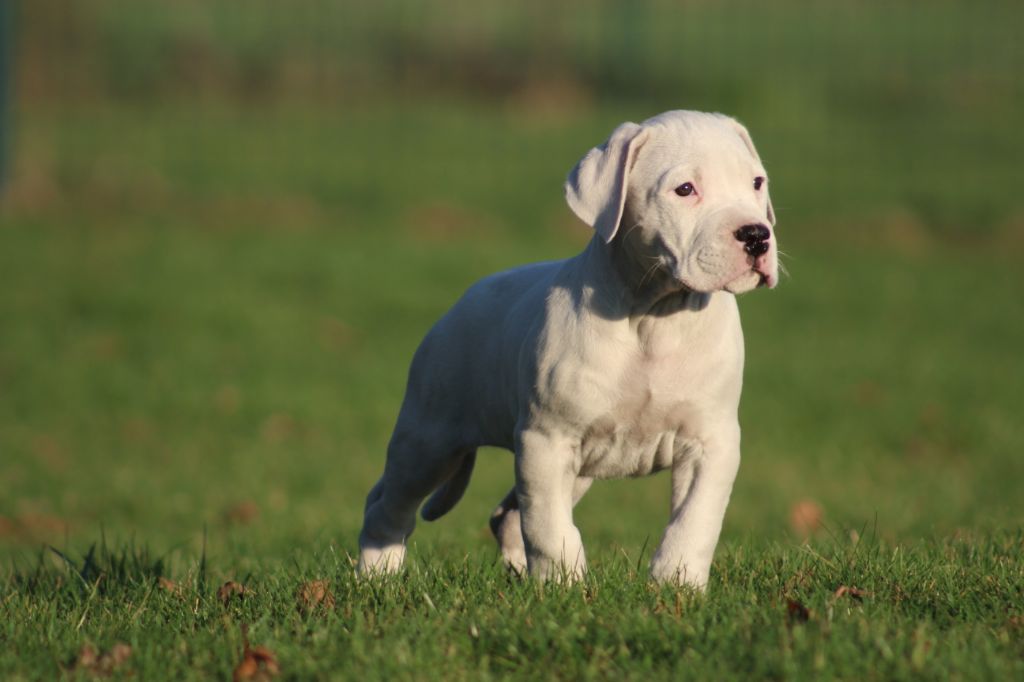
<point>755,239</point>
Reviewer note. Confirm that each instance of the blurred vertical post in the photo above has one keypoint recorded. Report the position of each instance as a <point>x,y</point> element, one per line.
<point>6,38</point>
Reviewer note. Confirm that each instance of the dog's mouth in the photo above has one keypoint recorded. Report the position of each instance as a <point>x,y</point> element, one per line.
<point>754,274</point>
<point>751,278</point>
<point>765,279</point>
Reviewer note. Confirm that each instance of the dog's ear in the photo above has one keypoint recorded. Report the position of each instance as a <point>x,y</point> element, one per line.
<point>745,136</point>
<point>596,188</point>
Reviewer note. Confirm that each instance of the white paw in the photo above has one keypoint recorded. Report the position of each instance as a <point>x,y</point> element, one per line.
<point>508,532</point>
<point>381,560</point>
<point>515,559</point>
<point>678,574</point>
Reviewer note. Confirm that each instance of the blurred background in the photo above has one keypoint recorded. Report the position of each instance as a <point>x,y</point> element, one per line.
<point>225,226</point>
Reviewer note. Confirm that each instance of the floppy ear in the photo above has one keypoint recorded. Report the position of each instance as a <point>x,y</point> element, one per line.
<point>753,152</point>
<point>596,188</point>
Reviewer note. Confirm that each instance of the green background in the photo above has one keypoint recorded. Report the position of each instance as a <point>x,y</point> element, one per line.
<point>225,227</point>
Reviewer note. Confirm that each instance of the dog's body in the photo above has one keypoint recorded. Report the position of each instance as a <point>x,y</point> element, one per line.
<point>624,360</point>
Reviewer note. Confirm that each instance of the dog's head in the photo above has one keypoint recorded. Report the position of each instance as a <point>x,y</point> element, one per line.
<point>684,192</point>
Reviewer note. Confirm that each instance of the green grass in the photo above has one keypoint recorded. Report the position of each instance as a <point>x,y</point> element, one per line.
<point>202,354</point>
<point>947,609</point>
<point>221,244</point>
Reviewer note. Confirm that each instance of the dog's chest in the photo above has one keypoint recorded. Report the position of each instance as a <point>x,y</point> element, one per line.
<point>648,425</point>
<point>638,399</point>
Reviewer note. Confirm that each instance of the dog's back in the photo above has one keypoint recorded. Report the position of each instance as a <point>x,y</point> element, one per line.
<point>463,373</point>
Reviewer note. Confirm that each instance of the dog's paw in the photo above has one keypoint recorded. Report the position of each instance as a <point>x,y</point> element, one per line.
<point>507,529</point>
<point>678,574</point>
<point>515,560</point>
<point>380,560</point>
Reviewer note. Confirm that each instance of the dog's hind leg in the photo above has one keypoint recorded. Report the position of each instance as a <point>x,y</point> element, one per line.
<point>415,468</point>
<point>508,531</point>
<point>507,527</point>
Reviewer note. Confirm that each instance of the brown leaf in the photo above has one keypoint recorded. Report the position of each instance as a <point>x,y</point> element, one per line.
<point>104,346</point>
<point>171,587</point>
<point>315,595</point>
<point>32,526</point>
<point>230,590</point>
<point>50,451</point>
<point>805,517</point>
<point>102,664</point>
<point>228,399</point>
<point>242,514</point>
<point>118,654</point>
<point>257,664</point>
<point>549,99</point>
<point>246,670</point>
<point>335,334</point>
<point>797,612</point>
<point>439,221</point>
<point>854,593</point>
<point>278,427</point>
<point>869,393</point>
<point>87,657</point>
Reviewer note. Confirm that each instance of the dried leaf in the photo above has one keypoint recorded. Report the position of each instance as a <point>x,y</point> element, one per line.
<point>278,427</point>
<point>854,593</point>
<point>869,393</point>
<point>335,334</point>
<point>171,587</point>
<point>246,670</point>
<point>228,399</point>
<point>797,612</point>
<point>242,513</point>
<point>32,525</point>
<point>805,517</point>
<point>50,451</point>
<point>230,590</point>
<point>87,657</point>
<point>315,595</point>
<point>102,664</point>
<point>118,654</point>
<point>257,664</point>
<point>440,222</point>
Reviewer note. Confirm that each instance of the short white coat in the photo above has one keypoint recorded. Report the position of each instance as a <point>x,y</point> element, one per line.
<point>622,361</point>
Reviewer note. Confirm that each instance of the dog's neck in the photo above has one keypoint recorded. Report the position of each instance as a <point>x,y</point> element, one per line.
<point>626,283</point>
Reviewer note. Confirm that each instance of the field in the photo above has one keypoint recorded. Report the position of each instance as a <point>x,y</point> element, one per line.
<point>207,309</point>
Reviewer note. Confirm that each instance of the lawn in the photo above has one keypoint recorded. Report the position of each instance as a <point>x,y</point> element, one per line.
<point>202,354</point>
<point>223,237</point>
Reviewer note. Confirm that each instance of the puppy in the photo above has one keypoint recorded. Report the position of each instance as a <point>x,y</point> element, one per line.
<point>624,360</point>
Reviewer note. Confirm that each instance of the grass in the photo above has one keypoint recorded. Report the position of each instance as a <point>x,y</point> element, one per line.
<point>932,610</point>
<point>204,370</point>
<point>208,305</point>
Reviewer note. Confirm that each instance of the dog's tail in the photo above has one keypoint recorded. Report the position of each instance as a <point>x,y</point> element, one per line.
<point>450,492</point>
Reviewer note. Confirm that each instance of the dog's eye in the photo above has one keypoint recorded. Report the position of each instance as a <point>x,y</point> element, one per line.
<point>758,181</point>
<point>685,189</point>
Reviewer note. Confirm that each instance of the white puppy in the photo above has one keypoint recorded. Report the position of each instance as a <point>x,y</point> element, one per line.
<point>624,360</point>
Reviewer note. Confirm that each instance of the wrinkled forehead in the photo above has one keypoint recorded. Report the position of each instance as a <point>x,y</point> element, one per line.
<point>703,140</point>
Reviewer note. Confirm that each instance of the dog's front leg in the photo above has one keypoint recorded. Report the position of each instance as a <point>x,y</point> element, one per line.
<point>700,493</point>
<point>508,530</point>
<point>545,480</point>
